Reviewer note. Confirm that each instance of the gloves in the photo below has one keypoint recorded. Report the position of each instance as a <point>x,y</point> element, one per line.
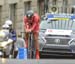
<point>28,30</point>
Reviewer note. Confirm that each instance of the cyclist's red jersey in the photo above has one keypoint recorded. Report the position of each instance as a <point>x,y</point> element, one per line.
<point>33,23</point>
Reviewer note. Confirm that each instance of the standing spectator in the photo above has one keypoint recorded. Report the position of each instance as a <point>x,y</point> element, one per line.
<point>20,43</point>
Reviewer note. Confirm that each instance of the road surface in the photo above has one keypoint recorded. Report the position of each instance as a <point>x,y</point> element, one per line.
<point>41,61</point>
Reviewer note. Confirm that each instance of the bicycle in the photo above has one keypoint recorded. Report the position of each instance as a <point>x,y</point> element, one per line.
<point>31,47</point>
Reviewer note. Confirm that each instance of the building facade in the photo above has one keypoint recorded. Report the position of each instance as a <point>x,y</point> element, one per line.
<point>16,9</point>
<point>57,6</point>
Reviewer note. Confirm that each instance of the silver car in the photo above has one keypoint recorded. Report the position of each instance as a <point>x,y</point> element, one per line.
<point>57,37</point>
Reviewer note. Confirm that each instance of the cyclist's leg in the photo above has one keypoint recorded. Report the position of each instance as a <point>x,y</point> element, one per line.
<point>27,44</point>
<point>26,39</point>
<point>36,34</point>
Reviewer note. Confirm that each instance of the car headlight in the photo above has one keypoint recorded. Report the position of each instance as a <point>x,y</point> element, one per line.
<point>73,34</point>
<point>71,42</point>
<point>42,40</point>
<point>42,37</point>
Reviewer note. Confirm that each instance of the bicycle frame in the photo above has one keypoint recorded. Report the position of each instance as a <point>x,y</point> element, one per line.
<point>31,47</point>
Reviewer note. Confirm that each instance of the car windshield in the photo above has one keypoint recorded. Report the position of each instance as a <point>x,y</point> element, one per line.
<point>58,24</point>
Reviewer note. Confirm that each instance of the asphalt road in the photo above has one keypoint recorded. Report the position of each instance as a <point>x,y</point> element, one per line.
<point>41,61</point>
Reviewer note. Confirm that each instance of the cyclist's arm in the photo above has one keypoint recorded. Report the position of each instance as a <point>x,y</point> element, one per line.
<point>25,23</point>
<point>36,20</point>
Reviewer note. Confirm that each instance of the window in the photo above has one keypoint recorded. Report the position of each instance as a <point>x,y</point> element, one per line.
<point>27,6</point>
<point>43,6</point>
<point>65,2</point>
<point>54,2</point>
<point>13,13</point>
<point>46,5</point>
<point>73,9</point>
<point>0,15</point>
<point>57,24</point>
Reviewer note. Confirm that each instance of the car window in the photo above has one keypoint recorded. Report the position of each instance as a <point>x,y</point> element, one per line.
<point>44,25</point>
<point>57,24</point>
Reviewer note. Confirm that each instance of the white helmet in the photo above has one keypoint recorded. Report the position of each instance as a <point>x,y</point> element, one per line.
<point>5,26</point>
<point>8,22</point>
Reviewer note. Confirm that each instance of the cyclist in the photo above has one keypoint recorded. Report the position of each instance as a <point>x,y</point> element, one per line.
<point>12,35</point>
<point>31,24</point>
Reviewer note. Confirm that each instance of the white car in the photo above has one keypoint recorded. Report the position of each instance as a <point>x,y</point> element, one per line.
<point>57,36</point>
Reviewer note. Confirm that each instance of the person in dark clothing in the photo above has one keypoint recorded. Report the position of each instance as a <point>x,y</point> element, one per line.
<point>12,35</point>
